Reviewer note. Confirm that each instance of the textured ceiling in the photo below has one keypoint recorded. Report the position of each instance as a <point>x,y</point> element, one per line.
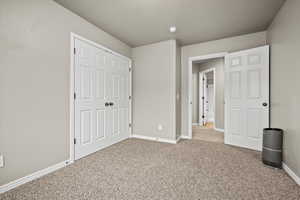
<point>139,22</point>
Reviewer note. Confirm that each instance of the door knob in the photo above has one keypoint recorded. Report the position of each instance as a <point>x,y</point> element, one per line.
<point>106,104</point>
<point>265,104</point>
<point>111,103</point>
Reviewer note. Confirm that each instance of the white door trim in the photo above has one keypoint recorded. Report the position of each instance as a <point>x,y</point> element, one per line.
<point>72,88</point>
<point>201,111</point>
<point>190,84</point>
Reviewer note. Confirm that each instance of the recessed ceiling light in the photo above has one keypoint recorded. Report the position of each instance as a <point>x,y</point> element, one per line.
<point>173,29</point>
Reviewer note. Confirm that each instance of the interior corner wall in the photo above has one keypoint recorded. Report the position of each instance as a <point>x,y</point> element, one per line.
<point>218,64</point>
<point>178,90</point>
<point>34,82</point>
<point>154,90</point>
<point>195,100</point>
<point>224,45</point>
<point>283,37</point>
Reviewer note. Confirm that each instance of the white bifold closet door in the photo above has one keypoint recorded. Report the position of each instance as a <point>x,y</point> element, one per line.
<point>247,97</point>
<point>102,98</point>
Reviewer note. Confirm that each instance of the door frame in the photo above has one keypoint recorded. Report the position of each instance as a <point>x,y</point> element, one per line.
<point>190,84</point>
<point>201,111</point>
<point>74,36</point>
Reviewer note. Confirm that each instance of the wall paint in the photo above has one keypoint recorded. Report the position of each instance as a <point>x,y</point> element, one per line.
<point>283,37</point>
<point>195,101</point>
<point>34,82</point>
<point>154,90</point>
<point>178,90</point>
<point>218,64</point>
<point>225,45</point>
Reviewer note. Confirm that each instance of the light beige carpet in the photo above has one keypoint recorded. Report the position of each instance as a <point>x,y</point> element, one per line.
<point>143,170</point>
<point>207,134</point>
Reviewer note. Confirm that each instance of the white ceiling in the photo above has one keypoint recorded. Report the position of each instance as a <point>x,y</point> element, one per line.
<point>139,22</point>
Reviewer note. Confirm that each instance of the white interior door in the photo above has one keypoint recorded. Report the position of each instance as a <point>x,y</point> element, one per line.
<point>102,99</point>
<point>247,97</point>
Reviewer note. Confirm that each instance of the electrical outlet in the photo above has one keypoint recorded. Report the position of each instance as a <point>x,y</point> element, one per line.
<point>1,161</point>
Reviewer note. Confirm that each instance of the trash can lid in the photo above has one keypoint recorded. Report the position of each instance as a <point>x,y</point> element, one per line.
<point>273,129</point>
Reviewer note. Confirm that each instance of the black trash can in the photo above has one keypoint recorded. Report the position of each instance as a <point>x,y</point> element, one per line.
<point>272,147</point>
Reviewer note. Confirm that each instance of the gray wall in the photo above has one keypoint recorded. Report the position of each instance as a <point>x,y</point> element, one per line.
<point>178,90</point>
<point>34,82</point>
<point>283,36</point>
<point>219,112</point>
<point>154,90</point>
<point>195,100</point>
<point>217,46</point>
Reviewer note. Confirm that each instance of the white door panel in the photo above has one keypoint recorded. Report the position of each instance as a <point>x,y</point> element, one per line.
<point>100,78</point>
<point>100,84</point>
<point>86,126</point>
<point>100,124</point>
<point>247,88</point>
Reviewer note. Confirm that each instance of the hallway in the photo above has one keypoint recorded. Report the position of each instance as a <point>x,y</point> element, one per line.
<point>207,134</point>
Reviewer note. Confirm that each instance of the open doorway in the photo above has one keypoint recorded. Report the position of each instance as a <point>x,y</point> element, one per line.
<point>207,110</point>
<point>241,99</point>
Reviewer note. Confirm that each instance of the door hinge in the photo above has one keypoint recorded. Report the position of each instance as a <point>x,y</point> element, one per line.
<point>129,97</point>
<point>74,50</point>
<point>203,98</point>
<point>129,69</point>
<point>74,95</point>
<point>74,140</point>
<point>130,125</point>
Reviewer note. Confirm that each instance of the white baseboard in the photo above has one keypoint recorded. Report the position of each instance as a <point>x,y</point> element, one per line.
<point>220,130</point>
<point>33,176</point>
<point>291,173</point>
<point>185,137</point>
<point>154,139</point>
